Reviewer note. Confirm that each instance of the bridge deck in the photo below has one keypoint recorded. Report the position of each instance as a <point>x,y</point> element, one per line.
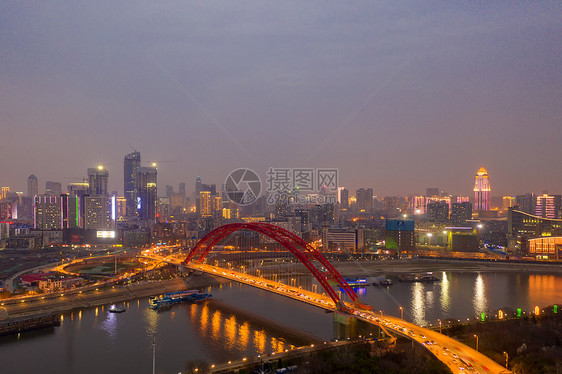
<point>448,350</point>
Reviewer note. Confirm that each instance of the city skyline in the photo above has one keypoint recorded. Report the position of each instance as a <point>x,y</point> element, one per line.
<point>114,186</point>
<point>397,97</point>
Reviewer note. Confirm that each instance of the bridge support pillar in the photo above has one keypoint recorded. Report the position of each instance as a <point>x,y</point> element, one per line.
<point>347,326</point>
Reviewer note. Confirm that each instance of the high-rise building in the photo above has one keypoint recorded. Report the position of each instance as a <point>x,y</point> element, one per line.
<point>417,205</point>
<point>53,188</point>
<point>55,212</point>
<point>463,199</point>
<point>121,207</point>
<point>364,199</point>
<point>437,211</point>
<point>79,191</point>
<point>205,203</point>
<point>217,204</point>
<point>461,212</point>
<point>182,189</point>
<point>508,202</point>
<point>198,185</point>
<point>47,212</point>
<point>147,190</point>
<point>100,212</point>
<point>130,165</point>
<point>548,206</point>
<point>526,203</point>
<point>482,191</point>
<point>32,186</point>
<point>97,181</point>
<point>5,192</point>
<point>344,198</point>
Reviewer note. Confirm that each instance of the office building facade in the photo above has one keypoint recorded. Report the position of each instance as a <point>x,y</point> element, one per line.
<point>147,193</point>
<point>131,163</point>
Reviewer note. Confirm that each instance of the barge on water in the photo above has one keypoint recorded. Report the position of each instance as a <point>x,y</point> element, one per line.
<point>356,282</point>
<point>167,300</point>
<point>426,277</point>
<point>381,281</point>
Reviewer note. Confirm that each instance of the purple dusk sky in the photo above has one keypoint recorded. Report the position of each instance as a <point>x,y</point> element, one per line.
<point>399,96</point>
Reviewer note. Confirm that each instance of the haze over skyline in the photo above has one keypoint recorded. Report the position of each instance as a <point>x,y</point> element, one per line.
<point>398,97</point>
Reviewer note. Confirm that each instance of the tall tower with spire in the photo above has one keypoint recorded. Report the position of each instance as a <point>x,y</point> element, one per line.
<point>482,191</point>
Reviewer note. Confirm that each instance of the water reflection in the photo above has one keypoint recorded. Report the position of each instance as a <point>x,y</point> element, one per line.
<point>543,287</point>
<point>445,298</point>
<point>110,326</point>
<point>418,305</point>
<point>231,332</point>
<point>480,302</point>
<point>151,321</point>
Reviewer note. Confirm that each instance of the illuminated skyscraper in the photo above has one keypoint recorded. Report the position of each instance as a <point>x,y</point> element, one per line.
<point>130,165</point>
<point>99,213</point>
<point>548,206</point>
<point>482,191</point>
<point>79,191</point>
<point>205,203</point>
<point>5,192</point>
<point>32,186</point>
<point>147,189</point>
<point>344,198</point>
<point>97,180</point>
<point>55,212</point>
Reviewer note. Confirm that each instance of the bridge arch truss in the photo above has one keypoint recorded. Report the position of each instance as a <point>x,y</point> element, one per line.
<point>311,258</point>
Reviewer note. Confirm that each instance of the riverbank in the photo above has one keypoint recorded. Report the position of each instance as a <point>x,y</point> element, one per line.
<point>420,265</point>
<point>61,303</point>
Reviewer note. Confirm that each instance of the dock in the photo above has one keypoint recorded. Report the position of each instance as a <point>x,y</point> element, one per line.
<point>21,324</point>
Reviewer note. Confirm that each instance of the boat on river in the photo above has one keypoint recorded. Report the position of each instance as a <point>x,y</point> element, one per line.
<point>167,300</point>
<point>423,277</point>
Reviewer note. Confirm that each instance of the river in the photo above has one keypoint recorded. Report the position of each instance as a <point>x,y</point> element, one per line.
<point>94,340</point>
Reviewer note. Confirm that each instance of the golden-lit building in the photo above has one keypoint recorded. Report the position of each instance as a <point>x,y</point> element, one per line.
<point>508,202</point>
<point>5,191</point>
<point>205,203</point>
<point>546,248</point>
<point>482,190</point>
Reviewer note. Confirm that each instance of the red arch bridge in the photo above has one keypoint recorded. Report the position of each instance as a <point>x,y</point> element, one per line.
<point>313,260</point>
<point>442,347</point>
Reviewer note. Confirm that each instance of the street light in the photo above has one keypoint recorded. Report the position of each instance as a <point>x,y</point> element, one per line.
<point>401,313</point>
<point>506,358</point>
<point>440,326</point>
<point>476,336</point>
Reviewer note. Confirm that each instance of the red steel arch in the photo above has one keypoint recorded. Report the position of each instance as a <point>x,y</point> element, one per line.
<point>317,264</point>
